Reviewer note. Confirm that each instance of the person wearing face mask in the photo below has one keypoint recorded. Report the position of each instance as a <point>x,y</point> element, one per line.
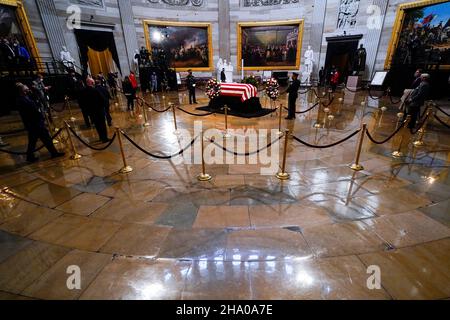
<point>34,123</point>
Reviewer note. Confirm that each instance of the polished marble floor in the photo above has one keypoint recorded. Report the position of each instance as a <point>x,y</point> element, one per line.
<point>158,233</point>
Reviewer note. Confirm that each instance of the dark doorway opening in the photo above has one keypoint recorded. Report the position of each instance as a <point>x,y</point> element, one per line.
<point>341,53</point>
<point>97,50</point>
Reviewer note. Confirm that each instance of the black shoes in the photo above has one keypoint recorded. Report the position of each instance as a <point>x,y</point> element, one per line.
<point>32,159</point>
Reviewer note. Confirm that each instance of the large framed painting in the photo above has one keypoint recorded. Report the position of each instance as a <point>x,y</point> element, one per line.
<point>421,35</point>
<point>274,45</point>
<point>15,28</point>
<point>187,45</point>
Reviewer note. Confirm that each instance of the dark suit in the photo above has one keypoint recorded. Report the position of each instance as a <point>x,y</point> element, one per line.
<point>190,81</point>
<point>293,95</point>
<point>94,102</point>
<point>34,123</point>
<point>106,97</point>
<point>417,100</point>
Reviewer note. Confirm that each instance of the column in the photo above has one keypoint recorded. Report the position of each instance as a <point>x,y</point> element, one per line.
<point>317,25</point>
<point>224,30</point>
<point>52,26</point>
<point>129,30</point>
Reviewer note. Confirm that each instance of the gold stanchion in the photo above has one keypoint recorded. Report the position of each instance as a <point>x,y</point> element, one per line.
<point>280,119</point>
<point>383,110</point>
<point>144,111</point>
<point>72,118</point>
<point>204,177</point>
<point>50,127</point>
<point>226,134</point>
<point>126,168</point>
<point>419,142</point>
<point>357,166</point>
<point>400,116</point>
<point>175,119</point>
<point>398,153</point>
<point>75,155</point>
<point>283,175</point>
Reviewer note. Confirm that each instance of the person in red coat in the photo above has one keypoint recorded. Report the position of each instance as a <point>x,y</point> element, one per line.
<point>133,80</point>
<point>335,77</point>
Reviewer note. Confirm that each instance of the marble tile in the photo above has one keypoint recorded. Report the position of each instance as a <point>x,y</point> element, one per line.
<point>11,244</point>
<point>226,181</point>
<point>348,210</point>
<point>26,266</point>
<point>84,204</point>
<point>28,218</point>
<point>217,280</point>
<point>134,190</point>
<point>285,215</point>
<point>382,182</point>
<point>52,285</point>
<point>257,196</point>
<point>77,232</point>
<point>393,201</point>
<point>415,273</point>
<point>439,212</point>
<point>4,296</point>
<point>319,176</point>
<point>46,194</point>
<point>434,191</point>
<point>137,240</point>
<point>131,211</point>
<point>218,217</point>
<point>194,245</point>
<point>95,184</point>
<point>408,229</point>
<point>130,279</point>
<point>265,244</point>
<point>342,239</point>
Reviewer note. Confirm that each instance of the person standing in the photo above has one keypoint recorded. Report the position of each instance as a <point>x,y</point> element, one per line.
<point>321,77</point>
<point>293,95</point>
<point>190,81</point>
<point>83,103</point>
<point>223,76</point>
<point>34,123</point>
<point>133,80</point>
<point>40,91</point>
<point>335,77</point>
<point>417,100</point>
<point>130,93</point>
<point>95,103</point>
<point>106,97</point>
<point>154,81</point>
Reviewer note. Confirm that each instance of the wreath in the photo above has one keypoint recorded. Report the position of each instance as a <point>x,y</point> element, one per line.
<point>272,89</point>
<point>213,89</point>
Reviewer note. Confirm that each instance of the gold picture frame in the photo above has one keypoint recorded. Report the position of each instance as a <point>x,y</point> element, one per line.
<point>399,20</point>
<point>208,26</point>
<point>241,25</point>
<point>25,26</point>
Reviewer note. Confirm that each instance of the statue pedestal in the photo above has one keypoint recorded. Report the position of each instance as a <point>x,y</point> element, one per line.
<point>353,82</point>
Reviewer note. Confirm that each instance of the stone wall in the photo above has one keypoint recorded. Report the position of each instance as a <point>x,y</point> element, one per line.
<point>125,19</point>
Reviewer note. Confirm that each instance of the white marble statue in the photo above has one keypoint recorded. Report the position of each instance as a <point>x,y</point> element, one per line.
<point>220,66</point>
<point>309,64</point>
<point>66,57</point>
<point>229,70</point>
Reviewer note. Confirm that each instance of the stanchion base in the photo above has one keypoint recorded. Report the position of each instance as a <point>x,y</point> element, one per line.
<point>280,133</point>
<point>177,133</point>
<point>146,124</point>
<point>76,156</point>
<point>283,176</point>
<point>318,126</point>
<point>418,143</point>
<point>73,119</point>
<point>126,169</point>
<point>204,177</point>
<point>55,141</point>
<point>226,135</point>
<point>398,154</point>
<point>356,167</point>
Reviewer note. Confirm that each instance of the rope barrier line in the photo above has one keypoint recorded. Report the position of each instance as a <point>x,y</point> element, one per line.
<point>163,157</point>
<point>388,138</point>
<point>36,150</point>
<point>440,109</point>
<point>151,107</point>
<point>15,131</point>
<point>326,146</point>
<point>329,104</point>
<point>441,121</point>
<point>195,114</point>
<point>91,147</point>
<point>306,111</point>
<point>392,101</point>
<point>422,124</point>
<point>247,154</point>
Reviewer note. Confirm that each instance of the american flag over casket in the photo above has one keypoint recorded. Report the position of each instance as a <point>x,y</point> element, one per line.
<point>240,90</point>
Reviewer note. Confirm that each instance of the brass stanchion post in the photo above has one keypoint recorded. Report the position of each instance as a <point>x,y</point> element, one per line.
<point>50,127</point>
<point>280,120</point>
<point>226,134</point>
<point>398,153</point>
<point>419,142</point>
<point>383,110</point>
<point>126,168</point>
<point>72,118</point>
<point>144,111</point>
<point>175,120</point>
<point>75,155</point>
<point>204,176</point>
<point>283,175</point>
<point>357,166</point>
